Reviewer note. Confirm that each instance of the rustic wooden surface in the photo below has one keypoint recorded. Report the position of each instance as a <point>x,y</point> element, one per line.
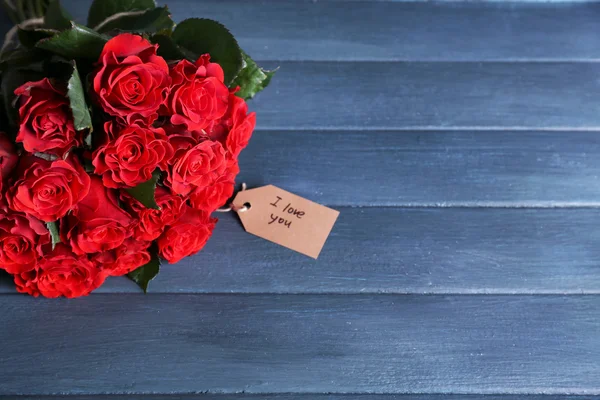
<point>460,142</point>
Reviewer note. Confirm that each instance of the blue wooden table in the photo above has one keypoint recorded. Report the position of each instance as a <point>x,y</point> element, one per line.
<point>459,140</point>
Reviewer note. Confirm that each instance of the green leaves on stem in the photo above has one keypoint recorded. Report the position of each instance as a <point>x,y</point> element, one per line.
<point>195,36</point>
<point>147,21</point>
<point>76,42</point>
<point>251,79</point>
<point>56,17</point>
<point>189,40</point>
<point>81,113</point>
<point>200,36</point>
<point>100,10</point>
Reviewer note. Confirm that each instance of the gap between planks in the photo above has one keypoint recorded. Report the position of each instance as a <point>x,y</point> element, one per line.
<point>426,129</point>
<point>291,395</point>
<point>463,293</point>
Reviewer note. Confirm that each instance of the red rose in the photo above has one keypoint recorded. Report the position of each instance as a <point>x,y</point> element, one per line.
<point>151,223</point>
<point>61,273</point>
<point>21,241</point>
<point>132,158</point>
<point>209,198</point>
<point>242,126</point>
<point>187,236</point>
<point>128,257</point>
<point>98,224</point>
<point>198,166</point>
<point>8,159</point>
<point>235,128</point>
<point>198,95</point>
<point>233,167</point>
<point>26,282</point>
<point>48,190</point>
<point>131,82</point>
<point>46,119</point>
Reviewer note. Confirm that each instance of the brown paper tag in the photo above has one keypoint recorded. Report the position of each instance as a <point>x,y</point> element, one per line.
<point>286,219</point>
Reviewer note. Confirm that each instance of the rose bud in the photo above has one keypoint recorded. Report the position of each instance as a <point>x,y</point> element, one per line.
<point>61,273</point>
<point>187,236</point>
<point>131,255</point>
<point>46,189</point>
<point>131,81</point>
<point>132,157</point>
<point>46,119</point>
<point>22,239</point>
<point>198,95</point>
<point>98,224</point>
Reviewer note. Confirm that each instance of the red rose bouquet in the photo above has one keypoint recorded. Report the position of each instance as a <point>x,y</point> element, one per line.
<point>119,139</point>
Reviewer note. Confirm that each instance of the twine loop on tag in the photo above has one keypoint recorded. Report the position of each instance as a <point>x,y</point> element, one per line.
<point>232,207</point>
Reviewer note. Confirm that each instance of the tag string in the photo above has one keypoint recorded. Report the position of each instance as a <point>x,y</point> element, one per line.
<point>232,207</point>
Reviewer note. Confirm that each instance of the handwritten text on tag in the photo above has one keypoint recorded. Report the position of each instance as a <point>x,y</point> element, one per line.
<point>286,219</point>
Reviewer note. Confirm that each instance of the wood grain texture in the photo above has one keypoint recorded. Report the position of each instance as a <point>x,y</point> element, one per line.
<point>455,106</point>
<point>448,95</point>
<point>387,31</point>
<point>390,250</point>
<point>299,396</point>
<point>477,169</point>
<point>408,95</point>
<point>300,344</point>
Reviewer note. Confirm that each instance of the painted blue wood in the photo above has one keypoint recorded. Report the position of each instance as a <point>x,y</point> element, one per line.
<point>372,133</point>
<point>413,168</point>
<point>300,344</point>
<point>374,96</point>
<point>386,31</point>
<point>299,396</point>
<point>439,95</point>
<point>390,250</point>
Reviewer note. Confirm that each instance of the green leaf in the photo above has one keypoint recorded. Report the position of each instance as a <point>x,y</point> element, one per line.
<point>81,113</point>
<point>21,57</point>
<point>103,9</point>
<point>87,140</point>
<point>168,49</point>
<point>54,235</point>
<point>144,274</point>
<point>30,37</point>
<point>148,21</point>
<point>144,192</point>
<point>57,17</point>
<point>88,166</point>
<point>46,156</point>
<point>76,42</point>
<point>251,79</point>
<point>201,36</point>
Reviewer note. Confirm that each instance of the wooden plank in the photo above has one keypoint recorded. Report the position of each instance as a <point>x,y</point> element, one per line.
<point>297,396</point>
<point>447,95</point>
<point>387,31</point>
<point>375,96</point>
<point>401,250</point>
<point>467,169</point>
<point>301,344</point>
